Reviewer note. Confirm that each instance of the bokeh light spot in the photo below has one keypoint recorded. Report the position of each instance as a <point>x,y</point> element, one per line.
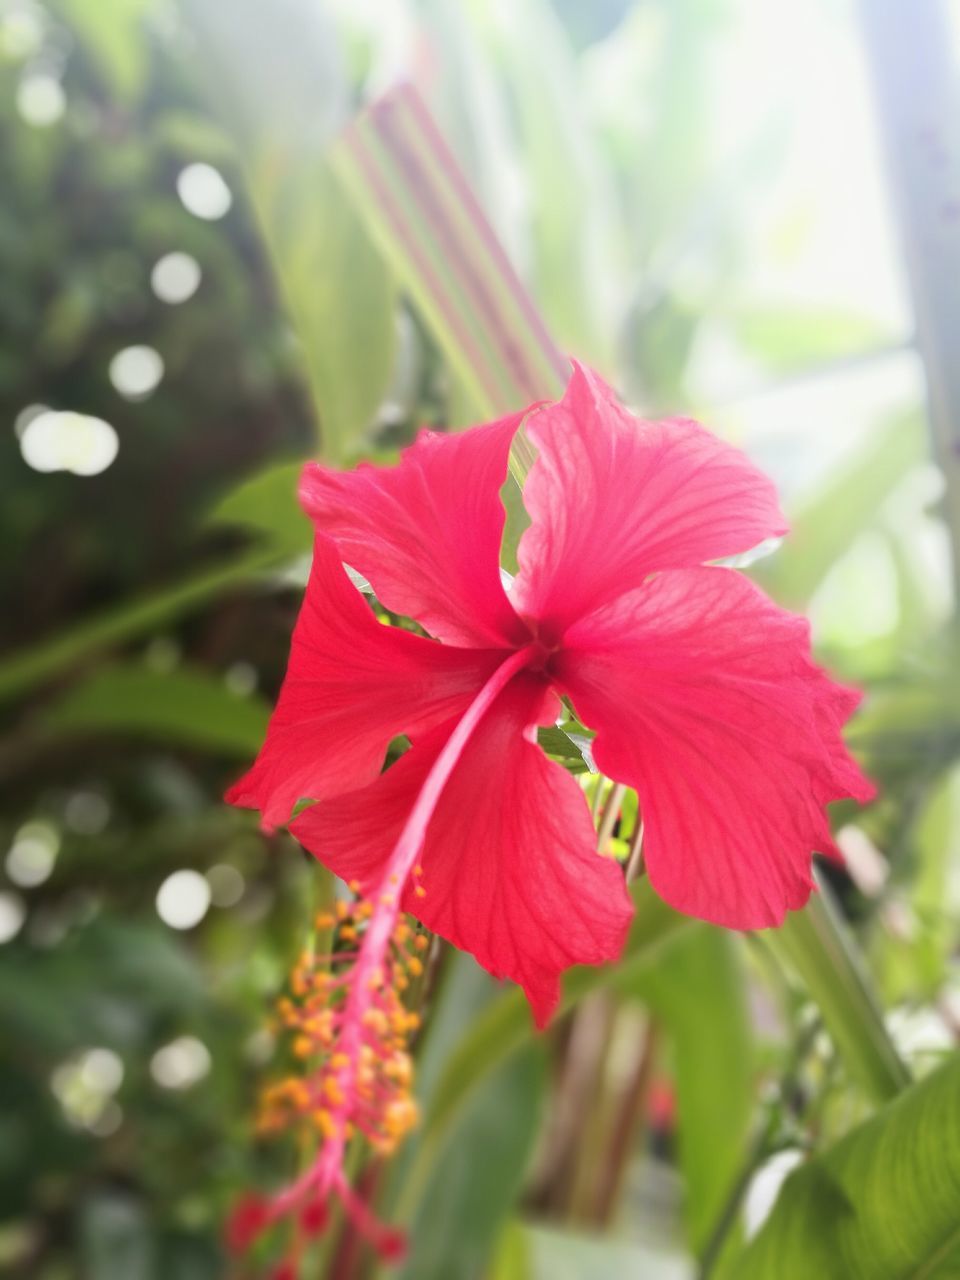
<point>84,1086</point>
<point>63,441</point>
<point>136,371</point>
<point>26,416</point>
<point>102,1070</point>
<point>12,915</point>
<point>241,678</point>
<point>203,191</point>
<point>86,812</point>
<point>108,1121</point>
<point>226,885</point>
<point>183,899</point>
<point>40,100</point>
<point>181,1063</point>
<point>21,34</point>
<point>32,855</point>
<point>175,277</point>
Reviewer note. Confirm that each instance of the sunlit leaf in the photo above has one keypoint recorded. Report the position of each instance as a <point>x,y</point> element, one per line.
<point>786,339</point>
<point>274,77</point>
<point>116,36</point>
<point>552,1253</point>
<point>698,992</point>
<point>881,1203</point>
<point>828,525</point>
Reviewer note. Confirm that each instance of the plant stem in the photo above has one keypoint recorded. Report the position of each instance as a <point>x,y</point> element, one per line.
<point>816,944</point>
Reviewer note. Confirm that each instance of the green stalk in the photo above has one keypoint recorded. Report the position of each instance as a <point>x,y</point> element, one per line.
<point>24,670</point>
<point>818,947</point>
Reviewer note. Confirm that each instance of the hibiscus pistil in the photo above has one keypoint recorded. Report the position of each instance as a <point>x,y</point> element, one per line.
<point>346,1010</point>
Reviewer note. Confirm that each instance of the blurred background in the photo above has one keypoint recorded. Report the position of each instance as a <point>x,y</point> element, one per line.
<point>734,209</point>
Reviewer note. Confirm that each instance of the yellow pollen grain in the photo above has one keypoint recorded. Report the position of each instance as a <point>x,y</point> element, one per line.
<point>326,1124</point>
<point>332,1090</point>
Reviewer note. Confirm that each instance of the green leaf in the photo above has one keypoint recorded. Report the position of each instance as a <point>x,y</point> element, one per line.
<point>273,76</point>
<point>880,1204</point>
<point>186,707</point>
<point>824,529</point>
<point>479,1174</point>
<point>816,944</point>
<point>934,894</point>
<point>115,37</point>
<point>697,990</point>
<point>341,300</point>
<point>555,1254</point>
<point>572,748</point>
<point>790,338</point>
<point>266,505</point>
<point>512,1260</point>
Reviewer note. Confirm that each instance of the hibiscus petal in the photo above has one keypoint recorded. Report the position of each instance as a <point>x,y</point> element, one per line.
<point>351,685</point>
<point>613,498</point>
<point>510,870</point>
<point>705,699</point>
<point>427,532</point>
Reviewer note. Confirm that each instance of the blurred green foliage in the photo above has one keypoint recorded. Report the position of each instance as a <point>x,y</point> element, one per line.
<point>148,611</point>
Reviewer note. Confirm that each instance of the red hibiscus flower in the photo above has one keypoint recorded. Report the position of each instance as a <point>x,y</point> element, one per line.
<point>701,691</point>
